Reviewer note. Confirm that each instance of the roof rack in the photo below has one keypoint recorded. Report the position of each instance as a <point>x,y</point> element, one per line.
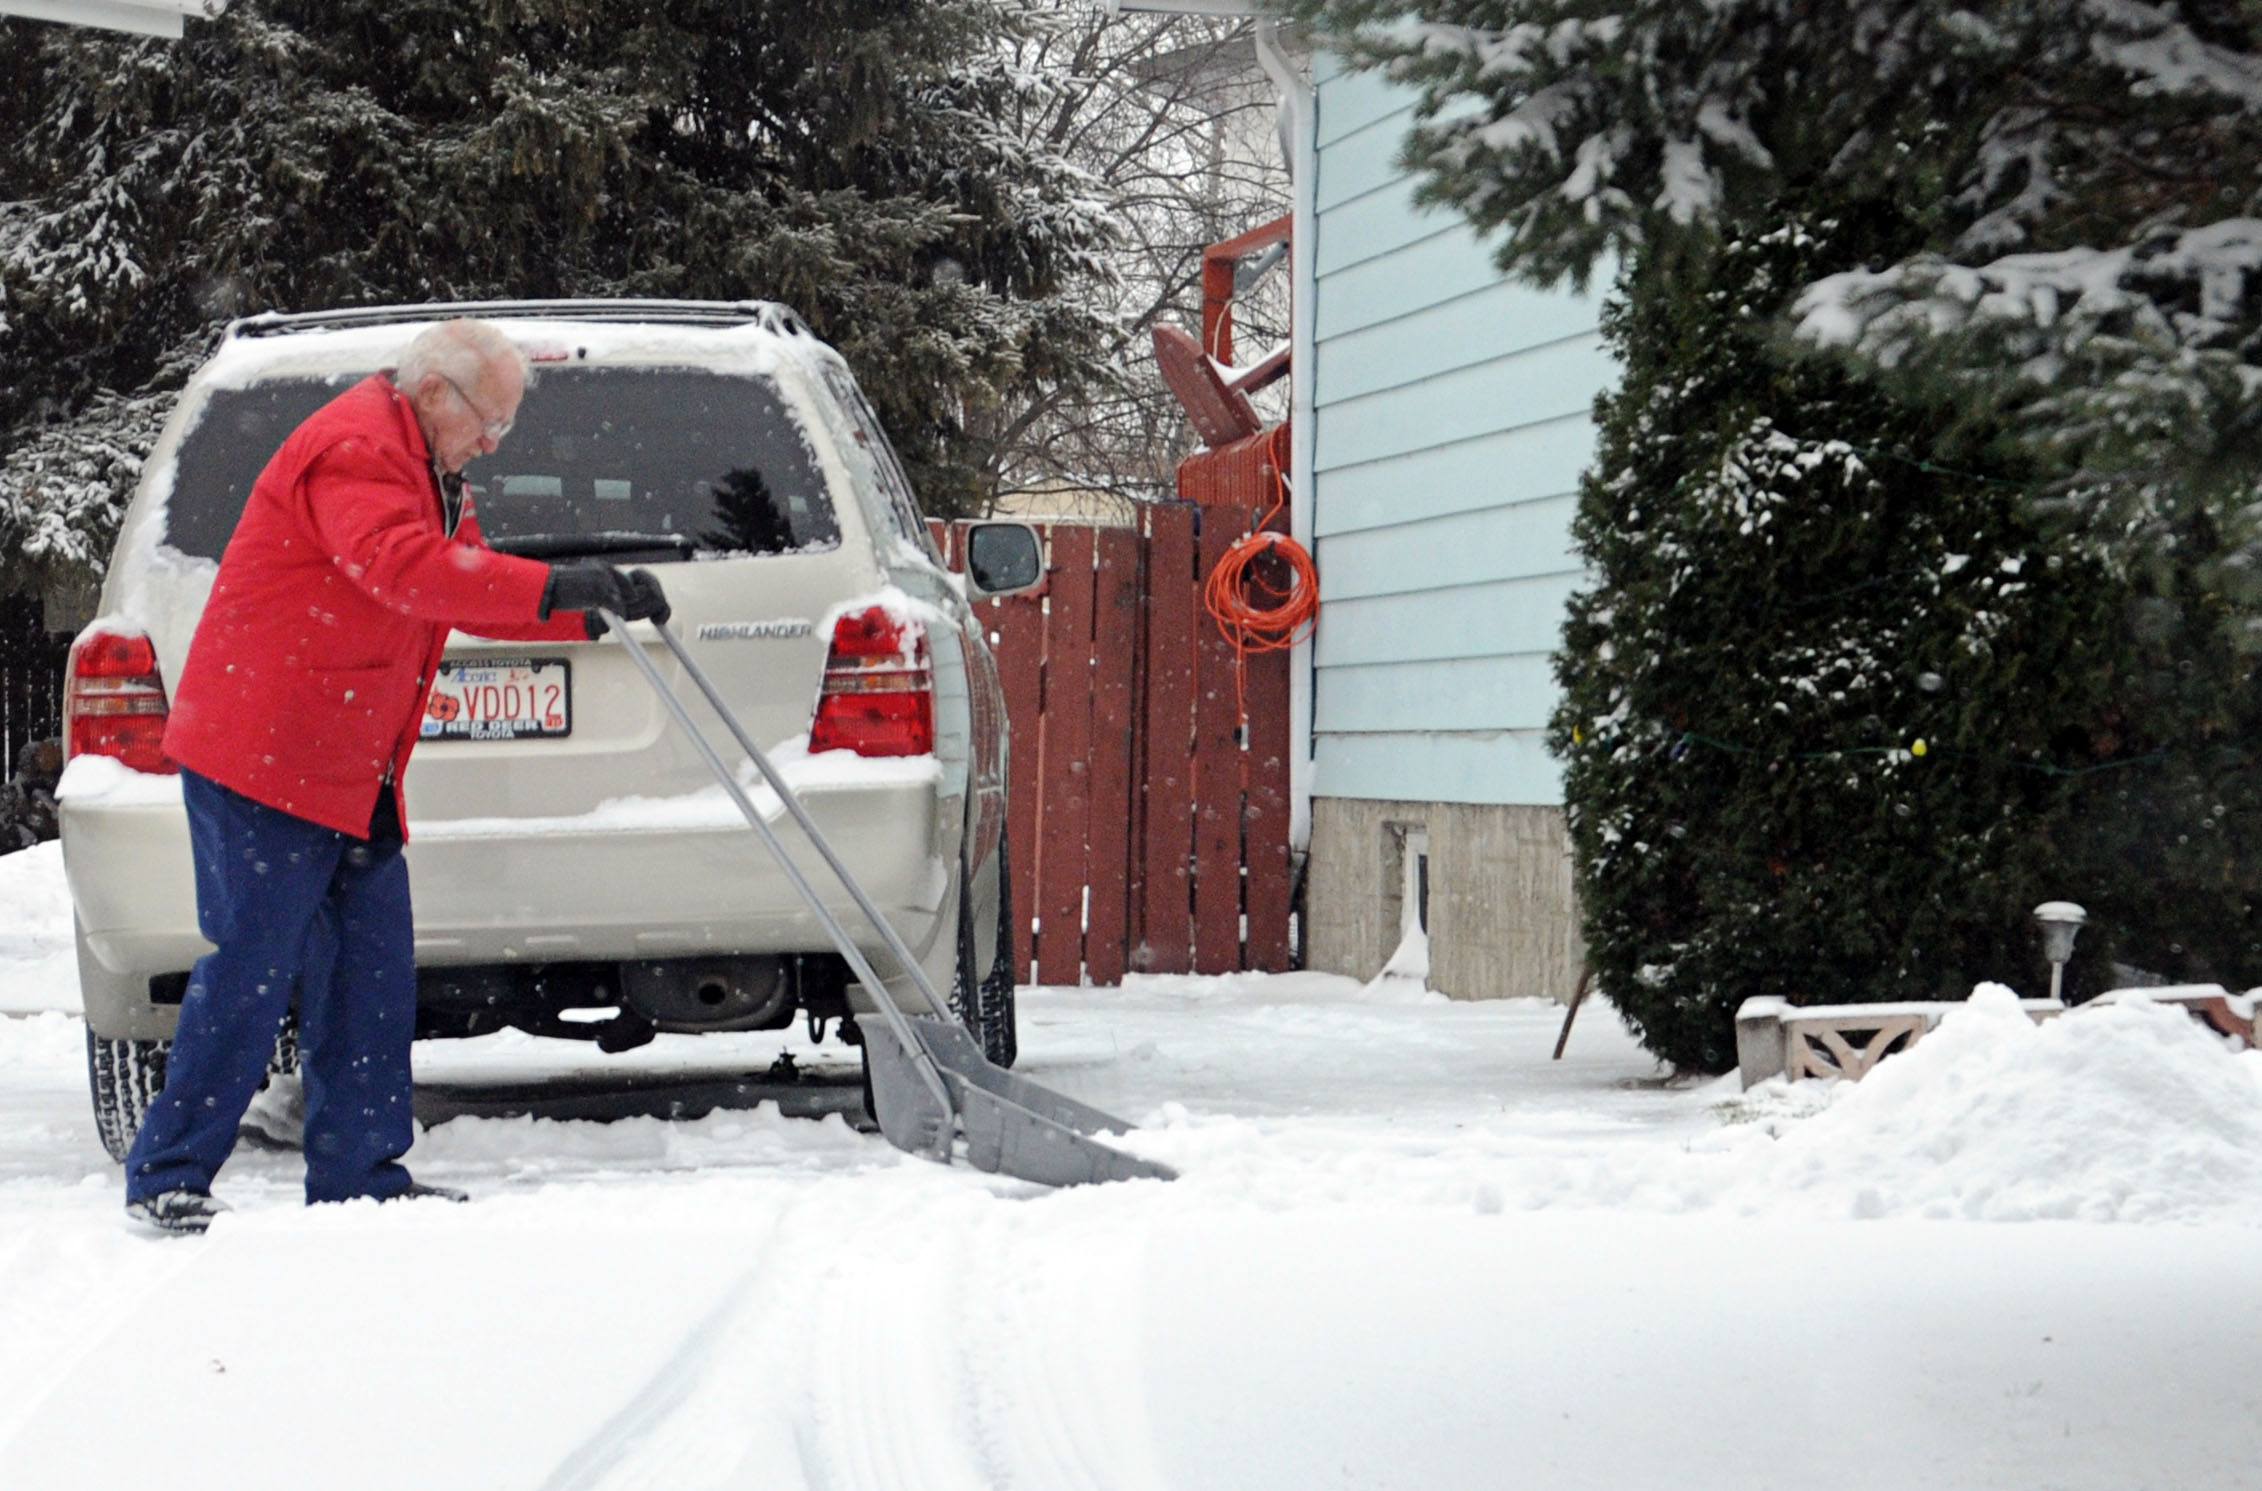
<point>767,314</point>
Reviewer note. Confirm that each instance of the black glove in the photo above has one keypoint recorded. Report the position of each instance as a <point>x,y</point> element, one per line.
<point>645,601</point>
<point>586,585</point>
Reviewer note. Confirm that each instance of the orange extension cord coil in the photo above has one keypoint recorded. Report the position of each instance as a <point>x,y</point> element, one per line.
<point>1252,613</point>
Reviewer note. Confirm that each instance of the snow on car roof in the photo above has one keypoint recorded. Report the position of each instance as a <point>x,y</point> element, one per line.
<point>748,348</point>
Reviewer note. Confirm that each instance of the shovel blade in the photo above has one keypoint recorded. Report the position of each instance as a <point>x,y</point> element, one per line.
<point>957,1052</point>
<point>905,1107</point>
<point>1005,1138</point>
<point>1011,1125</point>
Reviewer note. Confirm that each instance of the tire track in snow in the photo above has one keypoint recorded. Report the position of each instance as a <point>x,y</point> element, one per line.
<point>745,1404</point>
<point>1059,1315</point>
<point>589,1463</point>
<point>1008,1359</point>
<point>884,1407</point>
<point>945,1332</point>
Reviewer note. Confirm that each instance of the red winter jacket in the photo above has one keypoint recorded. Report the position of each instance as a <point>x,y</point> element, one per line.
<point>307,677</point>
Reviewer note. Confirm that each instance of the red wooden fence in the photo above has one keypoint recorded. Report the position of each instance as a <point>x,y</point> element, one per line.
<point>1148,831</point>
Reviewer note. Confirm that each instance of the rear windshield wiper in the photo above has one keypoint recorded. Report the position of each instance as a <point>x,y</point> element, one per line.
<point>615,541</point>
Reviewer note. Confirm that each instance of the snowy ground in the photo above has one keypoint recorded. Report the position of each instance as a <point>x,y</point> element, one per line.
<point>1407,1251</point>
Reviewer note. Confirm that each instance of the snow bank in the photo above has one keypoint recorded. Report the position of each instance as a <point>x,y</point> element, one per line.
<point>2132,1112</point>
<point>1405,978</point>
<point>35,902</point>
<point>2129,1113</point>
<point>42,1041</point>
<point>38,965</point>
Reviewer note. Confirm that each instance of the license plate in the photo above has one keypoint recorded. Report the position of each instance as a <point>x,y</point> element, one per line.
<point>500,699</point>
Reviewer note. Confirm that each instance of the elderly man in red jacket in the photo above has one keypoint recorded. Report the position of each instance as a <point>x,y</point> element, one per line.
<point>293,722</point>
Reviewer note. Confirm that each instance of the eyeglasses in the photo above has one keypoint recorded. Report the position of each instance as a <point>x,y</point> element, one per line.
<point>493,429</point>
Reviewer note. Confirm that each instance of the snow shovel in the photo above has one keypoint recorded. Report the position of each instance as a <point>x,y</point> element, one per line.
<point>932,1088</point>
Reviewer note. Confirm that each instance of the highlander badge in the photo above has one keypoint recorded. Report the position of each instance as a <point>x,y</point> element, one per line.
<point>739,631</point>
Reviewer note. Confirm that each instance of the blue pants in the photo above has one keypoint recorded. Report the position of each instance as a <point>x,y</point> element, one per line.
<point>290,906</point>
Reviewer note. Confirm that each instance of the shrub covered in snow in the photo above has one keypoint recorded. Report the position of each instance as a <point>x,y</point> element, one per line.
<point>27,798</point>
<point>1834,705</point>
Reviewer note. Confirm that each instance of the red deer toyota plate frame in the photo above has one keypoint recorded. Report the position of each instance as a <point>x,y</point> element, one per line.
<point>503,698</point>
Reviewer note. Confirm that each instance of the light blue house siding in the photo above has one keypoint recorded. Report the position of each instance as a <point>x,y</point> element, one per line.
<point>1450,425</point>
<point>1450,419</point>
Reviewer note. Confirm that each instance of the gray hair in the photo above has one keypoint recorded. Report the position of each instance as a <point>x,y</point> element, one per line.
<point>458,350</point>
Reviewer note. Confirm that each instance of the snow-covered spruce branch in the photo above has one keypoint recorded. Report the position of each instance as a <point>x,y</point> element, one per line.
<point>2141,358</point>
<point>63,489</point>
<point>1586,126</point>
<point>2192,290</point>
<point>2078,182</point>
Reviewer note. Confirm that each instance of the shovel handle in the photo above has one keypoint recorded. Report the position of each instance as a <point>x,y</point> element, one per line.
<point>786,795</point>
<point>900,1026</point>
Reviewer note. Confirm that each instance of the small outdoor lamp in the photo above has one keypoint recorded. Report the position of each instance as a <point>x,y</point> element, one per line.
<point>2061,924</point>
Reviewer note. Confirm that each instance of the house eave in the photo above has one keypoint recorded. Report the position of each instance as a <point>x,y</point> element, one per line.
<point>139,17</point>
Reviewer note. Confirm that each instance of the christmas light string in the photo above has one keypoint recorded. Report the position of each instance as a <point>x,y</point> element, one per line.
<point>1928,467</point>
<point>1918,749</point>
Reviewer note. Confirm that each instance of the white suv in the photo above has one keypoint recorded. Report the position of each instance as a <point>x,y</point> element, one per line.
<point>570,853</point>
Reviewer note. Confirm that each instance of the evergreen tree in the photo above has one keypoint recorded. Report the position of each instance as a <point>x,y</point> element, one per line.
<point>853,158</point>
<point>1832,700</point>
<point>2037,227</point>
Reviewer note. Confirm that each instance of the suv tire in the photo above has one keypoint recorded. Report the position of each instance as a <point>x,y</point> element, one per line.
<point>987,1007</point>
<point>124,1078</point>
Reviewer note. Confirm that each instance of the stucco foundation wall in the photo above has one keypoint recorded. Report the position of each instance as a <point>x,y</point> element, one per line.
<point>1502,919</point>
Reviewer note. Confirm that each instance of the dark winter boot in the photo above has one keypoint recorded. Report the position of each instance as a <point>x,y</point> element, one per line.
<point>419,1191</point>
<point>186,1212</point>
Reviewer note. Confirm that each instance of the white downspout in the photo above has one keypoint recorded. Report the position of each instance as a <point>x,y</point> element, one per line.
<point>1299,103</point>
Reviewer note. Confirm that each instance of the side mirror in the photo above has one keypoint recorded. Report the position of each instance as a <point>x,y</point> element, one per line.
<point>1003,558</point>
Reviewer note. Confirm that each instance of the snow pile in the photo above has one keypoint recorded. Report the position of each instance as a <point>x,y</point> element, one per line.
<point>1405,978</point>
<point>2132,1112</point>
<point>40,1041</point>
<point>37,901</point>
<point>38,966</point>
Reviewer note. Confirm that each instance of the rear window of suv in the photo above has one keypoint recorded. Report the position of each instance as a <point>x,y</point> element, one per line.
<point>649,463</point>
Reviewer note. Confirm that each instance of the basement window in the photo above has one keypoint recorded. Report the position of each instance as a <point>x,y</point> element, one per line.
<point>1405,878</point>
<point>1416,890</point>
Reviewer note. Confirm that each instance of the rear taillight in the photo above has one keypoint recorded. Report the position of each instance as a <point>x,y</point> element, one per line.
<point>879,692</point>
<point>115,700</point>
